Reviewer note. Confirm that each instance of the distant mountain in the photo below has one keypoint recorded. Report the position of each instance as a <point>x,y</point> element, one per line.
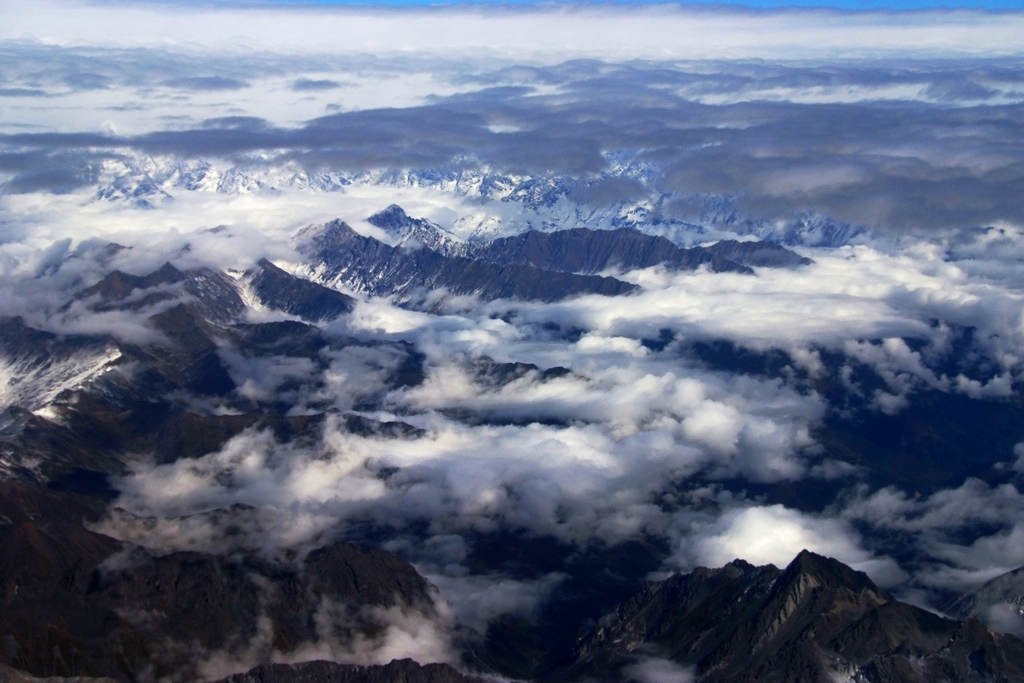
<point>543,202</point>
<point>118,286</point>
<point>815,620</point>
<point>342,258</point>
<point>809,229</point>
<point>805,228</point>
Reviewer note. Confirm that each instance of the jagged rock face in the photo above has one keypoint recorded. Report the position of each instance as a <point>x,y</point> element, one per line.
<point>397,671</point>
<point>39,450</point>
<point>537,266</point>
<point>280,290</point>
<point>817,620</point>
<point>344,258</point>
<point>393,220</point>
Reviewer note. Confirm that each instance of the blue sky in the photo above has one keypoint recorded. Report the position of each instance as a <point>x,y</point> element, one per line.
<point>894,5</point>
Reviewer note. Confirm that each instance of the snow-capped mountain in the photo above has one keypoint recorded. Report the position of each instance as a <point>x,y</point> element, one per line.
<point>499,204</point>
<point>37,366</point>
<point>419,232</point>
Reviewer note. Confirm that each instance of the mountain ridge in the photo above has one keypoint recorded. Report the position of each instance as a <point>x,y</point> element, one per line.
<point>815,620</point>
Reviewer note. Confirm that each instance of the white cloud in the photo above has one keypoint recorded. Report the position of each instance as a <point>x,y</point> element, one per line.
<point>657,670</point>
<point>941,529</point>
<point>775,535</point>
<point>1018,452</point>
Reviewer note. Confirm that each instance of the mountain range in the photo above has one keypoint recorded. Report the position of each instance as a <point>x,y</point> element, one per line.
<point>542,203</point>
<point>216,358</point>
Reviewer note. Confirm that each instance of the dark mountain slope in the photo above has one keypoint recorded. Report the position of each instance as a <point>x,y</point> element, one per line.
<point>283,291</point>
<point>212,293</point>
<point>582,250</point>
<point>78,603</point>
<point>341,257</point>
<point>592,251</point>
<point>757,254</point>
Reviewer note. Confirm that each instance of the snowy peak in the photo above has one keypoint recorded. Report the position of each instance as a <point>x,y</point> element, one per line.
<point>507,203</point>
<point>334,234</point>
<point>415,233</point>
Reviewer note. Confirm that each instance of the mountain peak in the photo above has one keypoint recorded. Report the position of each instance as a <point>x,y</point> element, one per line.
<point>164,274</point>
<point>325,234</point>
<point>393,219</point>
<point>826,571</point>
<point>816,620</point>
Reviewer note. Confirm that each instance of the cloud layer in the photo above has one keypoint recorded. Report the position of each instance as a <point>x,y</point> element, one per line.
<point>541,33</point>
